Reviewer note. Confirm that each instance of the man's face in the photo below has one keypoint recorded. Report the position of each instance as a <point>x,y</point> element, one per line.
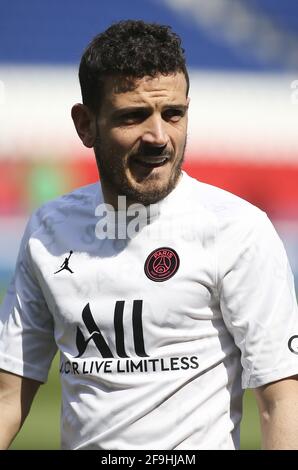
<point>141,136</point>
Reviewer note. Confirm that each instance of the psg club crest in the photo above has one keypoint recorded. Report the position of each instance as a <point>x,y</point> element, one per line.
<point>161,264</point>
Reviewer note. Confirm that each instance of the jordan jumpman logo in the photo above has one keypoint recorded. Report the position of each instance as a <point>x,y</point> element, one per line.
<point>64,265</point>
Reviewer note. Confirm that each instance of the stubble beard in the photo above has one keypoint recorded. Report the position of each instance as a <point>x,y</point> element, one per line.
<point>114,176</point>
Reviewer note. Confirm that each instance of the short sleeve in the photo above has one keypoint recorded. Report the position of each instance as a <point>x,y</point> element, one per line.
<point>257,299</point>
<point>27,344</point>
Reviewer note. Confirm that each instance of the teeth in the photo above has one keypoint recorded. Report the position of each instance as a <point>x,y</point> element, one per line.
<point>153,160</point>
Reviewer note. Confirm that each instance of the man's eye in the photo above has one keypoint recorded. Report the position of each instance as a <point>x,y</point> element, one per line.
<point>173,115</point>
<point>131,118</point>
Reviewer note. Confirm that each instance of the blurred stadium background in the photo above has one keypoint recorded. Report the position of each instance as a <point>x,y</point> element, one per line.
<point>243,61</point>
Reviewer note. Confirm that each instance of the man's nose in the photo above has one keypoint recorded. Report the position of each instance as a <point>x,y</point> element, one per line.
<point>155,132</point>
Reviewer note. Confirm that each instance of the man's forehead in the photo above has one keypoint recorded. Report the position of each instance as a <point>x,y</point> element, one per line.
<point>119,88</point>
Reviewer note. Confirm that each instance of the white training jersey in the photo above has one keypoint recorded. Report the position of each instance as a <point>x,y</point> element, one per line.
<point>159,331</point>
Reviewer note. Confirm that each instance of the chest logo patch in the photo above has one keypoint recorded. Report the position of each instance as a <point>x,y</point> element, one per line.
<point>161,264</point>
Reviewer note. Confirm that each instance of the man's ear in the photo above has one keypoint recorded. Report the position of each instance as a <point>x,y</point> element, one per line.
<point>84,121</point>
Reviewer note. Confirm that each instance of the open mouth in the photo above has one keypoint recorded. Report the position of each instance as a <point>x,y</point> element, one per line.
<point>151,162</point>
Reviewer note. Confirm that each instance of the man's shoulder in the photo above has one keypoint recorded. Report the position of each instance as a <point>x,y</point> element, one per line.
<point>79,202</point>
<point>221,204</point>
<point>82,196</point>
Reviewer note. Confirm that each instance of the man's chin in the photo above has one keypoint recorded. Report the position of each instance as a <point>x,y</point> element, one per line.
<point>151,190</point>
<point>145,197</point>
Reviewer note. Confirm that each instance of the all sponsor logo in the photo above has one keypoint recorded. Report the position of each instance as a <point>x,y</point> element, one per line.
<point>98,339</point>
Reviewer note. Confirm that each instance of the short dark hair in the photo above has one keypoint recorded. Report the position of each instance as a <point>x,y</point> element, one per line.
<point>133,49</point>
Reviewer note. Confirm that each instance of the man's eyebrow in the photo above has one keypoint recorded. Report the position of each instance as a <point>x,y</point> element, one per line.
<point>182,107</point>
<point>130,109</point>
<point>144,108</point>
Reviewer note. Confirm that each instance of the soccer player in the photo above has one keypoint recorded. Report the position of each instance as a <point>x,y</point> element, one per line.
<point>181,299</point>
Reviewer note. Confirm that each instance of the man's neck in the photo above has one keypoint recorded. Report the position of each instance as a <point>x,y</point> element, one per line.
<point>114,199</point>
